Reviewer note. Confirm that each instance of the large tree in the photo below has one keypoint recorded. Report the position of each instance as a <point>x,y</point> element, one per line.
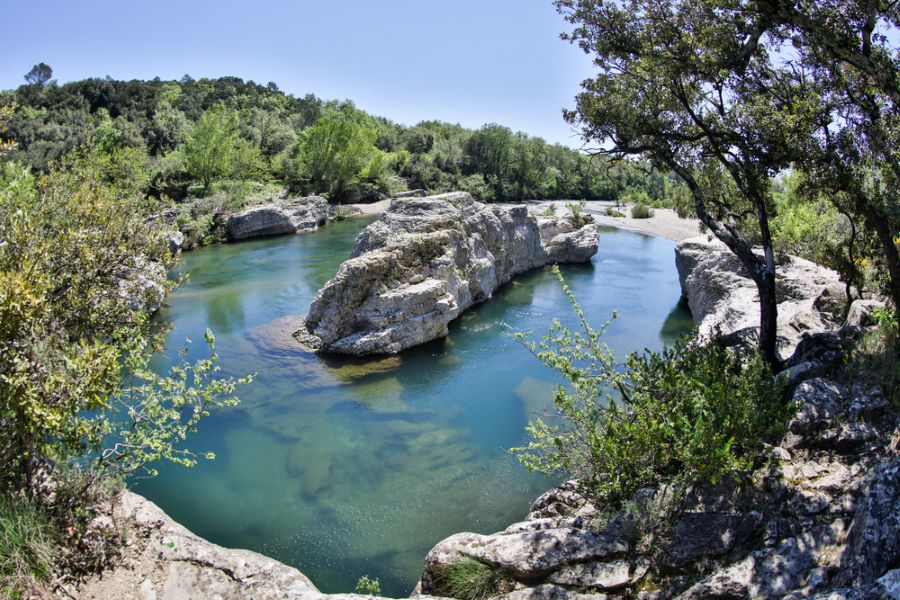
<point>686,85</point>
<point>726,93</point>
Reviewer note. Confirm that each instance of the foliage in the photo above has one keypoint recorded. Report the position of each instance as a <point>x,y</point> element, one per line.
<point>6,115</point>
<point>332,154</point>
<point>469,579</point>
<point>689,413</point>
<point>370,587</point>
<point>214,149</point>
<point>492,163</point>
<point>612,212</point>
<point>28,548</point>
<point>641,211</point>
<point>79,263</point>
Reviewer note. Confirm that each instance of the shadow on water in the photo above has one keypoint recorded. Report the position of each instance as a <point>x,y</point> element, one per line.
<point>343,466</point>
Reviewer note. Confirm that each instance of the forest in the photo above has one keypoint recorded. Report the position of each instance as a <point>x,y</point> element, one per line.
<point>177,139</point>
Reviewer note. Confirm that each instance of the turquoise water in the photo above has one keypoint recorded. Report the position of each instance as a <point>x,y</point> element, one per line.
<point>345,467</point>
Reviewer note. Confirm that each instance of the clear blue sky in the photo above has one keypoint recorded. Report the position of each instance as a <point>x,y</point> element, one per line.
<point>466,61</point>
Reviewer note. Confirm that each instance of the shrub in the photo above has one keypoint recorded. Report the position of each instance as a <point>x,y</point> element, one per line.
<point>469,579</point>
<point>79,263</point>
<point>641,211</point>
<point>689,413</point>
<point>577,209</point>
<point>875,357</point>
<point>371,587</point>
<point>612,212</point>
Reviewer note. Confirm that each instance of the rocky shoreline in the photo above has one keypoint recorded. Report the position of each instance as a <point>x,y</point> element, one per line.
<point>819,518</point>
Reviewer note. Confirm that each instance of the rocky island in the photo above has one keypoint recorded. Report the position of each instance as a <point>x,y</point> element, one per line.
<point>425,261</point>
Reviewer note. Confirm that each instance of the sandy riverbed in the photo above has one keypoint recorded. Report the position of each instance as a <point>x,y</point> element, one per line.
<point>664,222</point>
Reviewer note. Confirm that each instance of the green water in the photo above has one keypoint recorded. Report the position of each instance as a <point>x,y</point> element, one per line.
<point>346,467</point>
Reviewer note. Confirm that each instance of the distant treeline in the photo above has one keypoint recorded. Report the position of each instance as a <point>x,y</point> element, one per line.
<point>169,138</point>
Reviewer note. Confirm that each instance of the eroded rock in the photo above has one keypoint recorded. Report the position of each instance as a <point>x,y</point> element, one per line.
<point>425,261</point>
<point>723,297</point>
<point>279,218</point>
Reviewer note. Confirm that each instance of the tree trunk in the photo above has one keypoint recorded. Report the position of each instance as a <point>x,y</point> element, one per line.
<point>882,228</point>
<point>768,318</point>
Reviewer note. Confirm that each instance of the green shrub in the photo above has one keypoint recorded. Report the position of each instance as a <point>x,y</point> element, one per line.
<point>689,413</point>
<point>469,579</point>
<point>641,211</point>
<point>577,209</point>
<point>27,546</point>
<point>371,587</point>
<point>612,212</point>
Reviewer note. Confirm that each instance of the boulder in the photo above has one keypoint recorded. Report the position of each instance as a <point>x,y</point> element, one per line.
<point>298,215</point>
<point>874,541</point>
<point>424,262</point>
<point>723,297</point>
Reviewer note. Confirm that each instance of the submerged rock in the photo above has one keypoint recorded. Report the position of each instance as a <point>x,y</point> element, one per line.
<point>284,217</point>
<point>425,261</point>
<point>722,295</point>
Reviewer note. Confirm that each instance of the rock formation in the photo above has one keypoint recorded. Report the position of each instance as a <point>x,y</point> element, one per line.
<point>820,519</point>
<point>425,261</point>
<point>283,217</point>
<point>165,560</point>
<point>722,295</point>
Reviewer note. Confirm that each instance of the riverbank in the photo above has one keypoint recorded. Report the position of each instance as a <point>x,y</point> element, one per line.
<point>663,223</point>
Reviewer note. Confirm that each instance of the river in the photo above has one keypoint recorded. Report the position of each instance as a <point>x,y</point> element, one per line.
<point>346,467</point>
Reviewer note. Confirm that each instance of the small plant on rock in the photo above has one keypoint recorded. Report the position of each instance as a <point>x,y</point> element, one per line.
<point>371,587</point>
<point>578,218</point>
<point>469,579</point>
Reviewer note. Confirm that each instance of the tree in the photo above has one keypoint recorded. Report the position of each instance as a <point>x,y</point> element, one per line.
<point>688,85</point>
<point>333,153</point>
<point>489,152</point>
<point>853,157</point>
<point>39,74</point>
<point>214,146</point>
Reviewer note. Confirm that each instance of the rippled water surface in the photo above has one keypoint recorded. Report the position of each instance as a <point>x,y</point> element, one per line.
<point>345,467</point>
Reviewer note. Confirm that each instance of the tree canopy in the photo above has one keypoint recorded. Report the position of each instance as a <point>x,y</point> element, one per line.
<point>186,130</point>
<point>727,95</point>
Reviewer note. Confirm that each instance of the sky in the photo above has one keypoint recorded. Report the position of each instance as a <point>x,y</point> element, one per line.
<point>462,61</point>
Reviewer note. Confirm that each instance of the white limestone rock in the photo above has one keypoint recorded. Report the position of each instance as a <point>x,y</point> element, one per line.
<point>424,262</point>
<point>722,295</point>
<point>298,215</point>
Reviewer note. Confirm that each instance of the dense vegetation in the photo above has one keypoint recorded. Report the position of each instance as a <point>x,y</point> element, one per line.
<point>166,136</point>
<point>81,260</point>
<point>728,95</point>
<point>689,413</point>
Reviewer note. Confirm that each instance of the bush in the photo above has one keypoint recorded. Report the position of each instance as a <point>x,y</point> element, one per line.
<point>875,357</point>
<point>370,587</point>
<point>612,212</point>
<point>469,579</point>
<point>79,263</point>
<point>578,218</point>
<point>641,211</point>
<point>690,413</point>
